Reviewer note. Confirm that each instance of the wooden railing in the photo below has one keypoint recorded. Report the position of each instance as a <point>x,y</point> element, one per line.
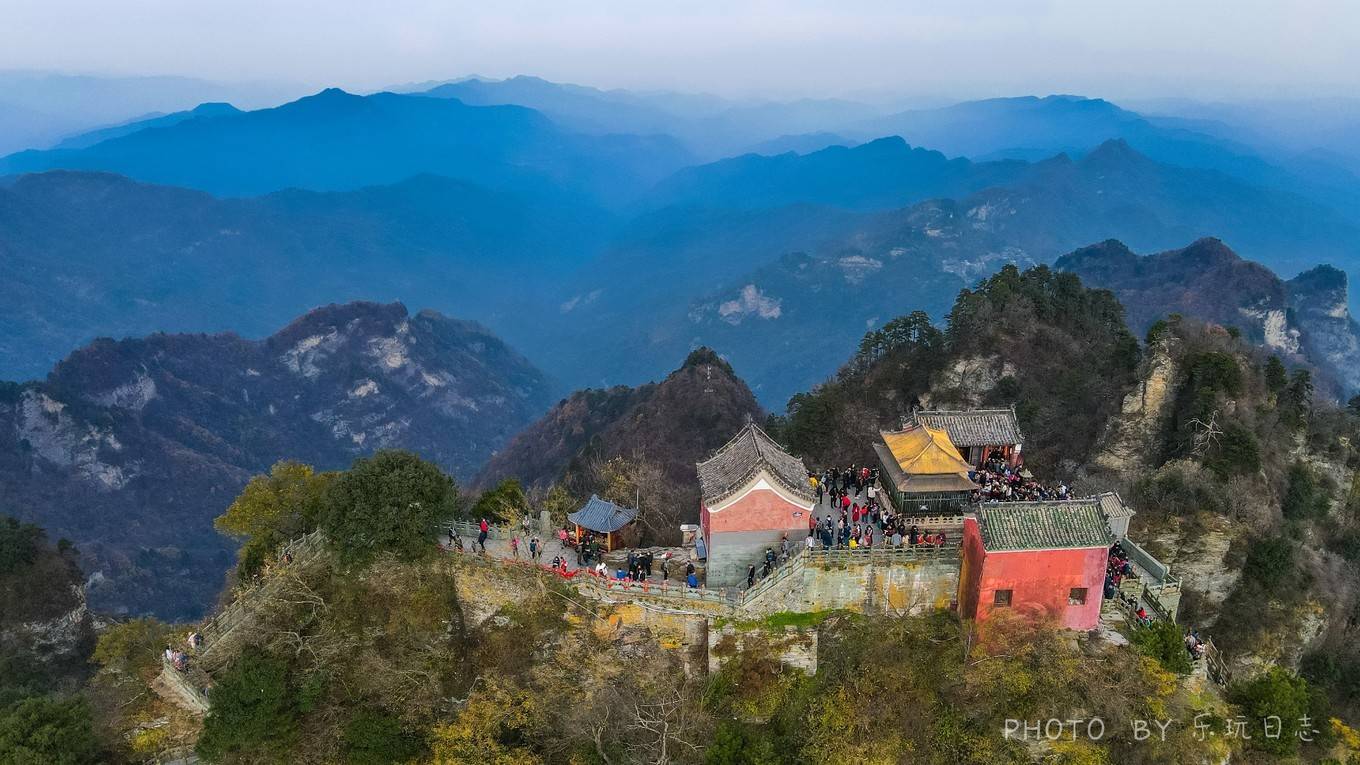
<point>1214,665</point>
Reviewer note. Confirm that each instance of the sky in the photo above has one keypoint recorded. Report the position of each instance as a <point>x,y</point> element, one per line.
<point>769,48</point>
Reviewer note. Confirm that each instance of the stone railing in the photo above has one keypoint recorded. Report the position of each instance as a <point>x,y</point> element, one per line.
<point>242,609</point>
<point>883,554</point>
<point>188,686</point>
<point>1144,560</point>
<point>468,531</point>
<point>788,568</point>
<point>607,587</point>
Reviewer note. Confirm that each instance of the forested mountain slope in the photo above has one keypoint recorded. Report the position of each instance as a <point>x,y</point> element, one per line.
<point>131,448</point>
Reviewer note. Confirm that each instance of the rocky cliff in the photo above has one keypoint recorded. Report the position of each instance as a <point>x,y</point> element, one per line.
<point>131,448</point>
<point>1318,305</point>
<point>46,633</point>
<point>1305,319</point>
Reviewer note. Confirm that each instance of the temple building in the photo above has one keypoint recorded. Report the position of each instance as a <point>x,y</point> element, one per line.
<point>754,493</point>
<point>922,473</point>
<point>978,434</point>
<point>1036,558</point>
<point>605,519</point>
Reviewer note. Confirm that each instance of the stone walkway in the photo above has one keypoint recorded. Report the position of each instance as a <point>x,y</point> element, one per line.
<point>552,547</point>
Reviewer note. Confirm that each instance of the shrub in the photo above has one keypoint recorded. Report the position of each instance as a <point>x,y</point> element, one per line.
<point>1278,694</point>
<point>736,743</point>
<point>1275,374</point>
<point>1180,489</point>
<point>1305,496</point>
<point>48,730</point>
<point>1162,641</point>
<point>1237,452</point>
<point>389,502</point>
<point>376,738</point>
<point>132,646</point>
<point>505,502</point>
<point>273,509</point>
<point>253,710</point>
<point>1270,563</point>
<point>19,544</point>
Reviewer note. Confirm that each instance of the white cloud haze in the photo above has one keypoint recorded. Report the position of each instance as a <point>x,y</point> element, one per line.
<point>965,48</point>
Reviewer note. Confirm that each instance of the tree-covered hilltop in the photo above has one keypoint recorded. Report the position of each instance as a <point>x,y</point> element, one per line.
<point>1037,340</point>
<point>632,445</point>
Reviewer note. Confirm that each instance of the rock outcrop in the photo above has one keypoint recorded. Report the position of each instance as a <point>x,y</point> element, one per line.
<point>45,625</point>
<point>1133,438</point>
<point>1318,301</point>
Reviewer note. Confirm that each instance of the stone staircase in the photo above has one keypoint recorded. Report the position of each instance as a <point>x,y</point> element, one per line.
<point>224,633</point>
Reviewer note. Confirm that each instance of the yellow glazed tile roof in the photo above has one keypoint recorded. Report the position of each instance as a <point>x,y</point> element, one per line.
<point>923,450</point>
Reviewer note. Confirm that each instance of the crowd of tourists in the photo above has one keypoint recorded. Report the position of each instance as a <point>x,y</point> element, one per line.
<point>1194,645</point>
<point>1118,567</point>
<point>999,482</point>
<point>180,659</point>
<point>838,485</point>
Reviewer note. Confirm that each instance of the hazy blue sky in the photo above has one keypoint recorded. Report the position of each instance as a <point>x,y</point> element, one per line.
<point>769,47</point>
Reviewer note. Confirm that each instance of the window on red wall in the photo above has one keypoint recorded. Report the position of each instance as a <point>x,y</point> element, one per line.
<point>1076,596</point>
<point>1001,598</point>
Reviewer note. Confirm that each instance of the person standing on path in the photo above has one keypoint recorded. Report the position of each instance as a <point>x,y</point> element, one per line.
<point>483,529</point>
<point>514,546</point>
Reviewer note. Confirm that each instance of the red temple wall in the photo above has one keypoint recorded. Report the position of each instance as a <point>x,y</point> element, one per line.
<point>759,510</point>
<point>1041,579</point>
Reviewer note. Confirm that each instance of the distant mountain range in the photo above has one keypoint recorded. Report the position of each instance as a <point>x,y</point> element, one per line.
<point>88,254</point>
<point>131,448</point>
<point>336,141</point>
<point>710,126</point>
<point>597,252</point>
<point>1034,128</point>
<point>40,108</point>
<point>1305,319</point>
<point>90,138</point>
<point>877,175</point>
<point>785,311</point>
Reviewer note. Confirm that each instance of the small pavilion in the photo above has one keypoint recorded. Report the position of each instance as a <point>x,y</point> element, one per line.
<point>919,467</point>
<point>602,517</point>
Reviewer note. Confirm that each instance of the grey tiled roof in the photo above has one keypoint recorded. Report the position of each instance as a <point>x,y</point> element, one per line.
<point>974,427</point>
<point>602,516</point>
<point>1073,524</point>
<point>1113,506</point>
<point>736,463</point>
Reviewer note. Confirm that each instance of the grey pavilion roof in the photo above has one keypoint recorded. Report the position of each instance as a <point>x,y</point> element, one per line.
<point>1069,524</point>
<point>737,462</point>
<point>1113,506</point>
<point>974,427</point>
<point>602,516</point>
